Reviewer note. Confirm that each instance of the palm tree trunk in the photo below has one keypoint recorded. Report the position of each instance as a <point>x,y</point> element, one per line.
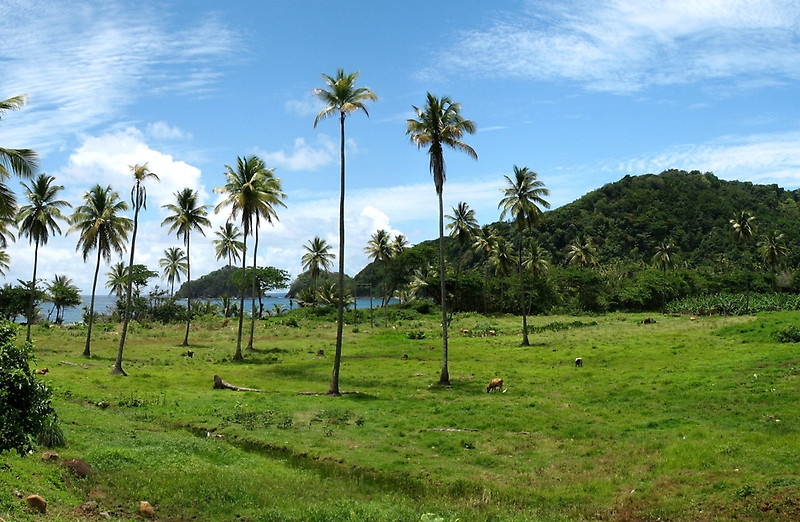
<point>117,368</point>
<point>87,351</point>
<point>337,358</point>
<point>33,290</point>
<point>444,378</point>
<point>253,291</point>
<point>188,293</point>
<point>238,356</point>
<point>525,341</point>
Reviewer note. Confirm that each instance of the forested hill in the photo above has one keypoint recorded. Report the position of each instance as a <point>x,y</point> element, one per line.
<point>629,218</point>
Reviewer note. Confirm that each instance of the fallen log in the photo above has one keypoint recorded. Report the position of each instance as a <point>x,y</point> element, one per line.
<point>219,384</point>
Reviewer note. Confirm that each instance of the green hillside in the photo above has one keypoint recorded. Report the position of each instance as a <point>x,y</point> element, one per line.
<point>627,219</point>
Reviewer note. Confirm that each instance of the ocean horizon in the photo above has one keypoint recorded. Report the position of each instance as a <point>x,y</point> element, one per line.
<point>104,304</point>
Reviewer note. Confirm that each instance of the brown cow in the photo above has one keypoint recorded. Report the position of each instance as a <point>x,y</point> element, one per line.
<point>41,371</point>
<point>495,384</point>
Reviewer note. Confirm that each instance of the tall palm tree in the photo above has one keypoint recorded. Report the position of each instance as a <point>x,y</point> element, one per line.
<point>379,249</point>
<point>536,260</point>
<point>462,226</point>
<point>228,243</point>
<point>37,220</point>
<point>744,228</point>
<point>664,258</point>
<point>22,162</point>
<point>773,251</point>
<point>582,252</point>
<point>483,243</point>
<point>175,265</point>
<point>501,260</point>
<point>522,199</point>
<point>440,124</point>
<point>252,190</point>
<point>318,257</point>
<point>187,215</point>
<point>341,97</point>
<point>101,227</point>
<point>141,173</point>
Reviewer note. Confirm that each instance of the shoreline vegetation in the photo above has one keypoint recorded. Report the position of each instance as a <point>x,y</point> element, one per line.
<point>672,416</point>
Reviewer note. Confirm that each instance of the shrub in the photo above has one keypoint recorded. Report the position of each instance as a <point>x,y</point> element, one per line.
<point>24,400</point>
<point>789,334</point>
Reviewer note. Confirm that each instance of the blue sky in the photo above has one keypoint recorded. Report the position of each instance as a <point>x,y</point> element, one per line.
<point>581,92</point>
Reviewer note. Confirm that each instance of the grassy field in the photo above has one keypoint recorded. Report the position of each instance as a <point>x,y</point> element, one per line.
<point>677,420</point>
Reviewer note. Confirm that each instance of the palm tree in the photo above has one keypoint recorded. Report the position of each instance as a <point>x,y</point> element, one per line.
<point>251,190</point>
<point>744,228</point>
<point>22,162</point>
<point>175,265</point>
<point>139,201</point>
<point>229,243</point>
<point>582,252</point>
<point>37,220</point>
<point>440,123</point>
<point>341,97</point>
<point>664,258</point>
<point>379,249</point>
<point>101,227</point>
<point>483,243</point>
<point>501,261</point>
<point>463,226</point>
<point>62,293</point>
<point>186,216</point>
<point>522,199</point>
<point>117,279</point>
<point>317,257</point>
<point>5,262</point>
<point>773,252</point>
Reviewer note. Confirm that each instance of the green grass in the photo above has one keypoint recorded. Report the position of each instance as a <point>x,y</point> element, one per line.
<point>679,420</point>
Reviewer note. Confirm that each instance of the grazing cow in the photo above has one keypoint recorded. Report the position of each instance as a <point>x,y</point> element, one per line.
<point>465,331</point>
<point>578,362</point>
<point>495,384</point>
<point>41,371</point>
<point>190,353</point>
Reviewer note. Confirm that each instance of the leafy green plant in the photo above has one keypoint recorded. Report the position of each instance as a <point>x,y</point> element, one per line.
<point>415,335</point>
<point>789,334</point>
<point>24,399</point>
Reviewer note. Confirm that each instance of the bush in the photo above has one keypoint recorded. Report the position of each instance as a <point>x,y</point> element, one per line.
<point>790,334</point>
<point>24,400</point>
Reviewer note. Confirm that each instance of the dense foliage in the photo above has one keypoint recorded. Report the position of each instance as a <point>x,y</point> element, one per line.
<point>616,232</point>
<point>24,400</point>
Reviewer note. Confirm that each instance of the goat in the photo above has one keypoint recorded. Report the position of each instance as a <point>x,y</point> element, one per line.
<point>495,384</point>
<point>578,362</point>
<point>41,371</point>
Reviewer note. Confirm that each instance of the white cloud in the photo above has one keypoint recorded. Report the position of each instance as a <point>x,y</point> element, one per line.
<point>763,158</point>
<point>161,130</point>
<point>107,159</point>
<point>303,156</point>
<point>83,63</point>
<point>304,107</point>
<point>624,46</point>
